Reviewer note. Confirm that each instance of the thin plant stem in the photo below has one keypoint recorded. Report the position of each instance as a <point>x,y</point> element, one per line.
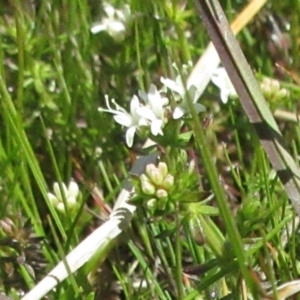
<point>178,259</point>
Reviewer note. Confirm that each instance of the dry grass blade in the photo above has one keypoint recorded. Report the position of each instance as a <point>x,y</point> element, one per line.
<point>287,290</point>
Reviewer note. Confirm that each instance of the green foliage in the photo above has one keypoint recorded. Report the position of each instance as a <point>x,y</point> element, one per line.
<point>54,75</point>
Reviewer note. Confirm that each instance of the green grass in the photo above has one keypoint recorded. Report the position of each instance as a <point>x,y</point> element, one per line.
<point>54,75</point>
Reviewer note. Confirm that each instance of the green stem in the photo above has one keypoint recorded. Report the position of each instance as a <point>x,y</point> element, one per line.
<point>178,267</point>
<point>225,214</point>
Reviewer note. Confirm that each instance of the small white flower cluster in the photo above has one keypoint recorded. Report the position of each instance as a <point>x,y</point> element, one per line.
<point>115,23</point>
<point>153,111</point>
<point>71,195</point>
<point>149,113</point>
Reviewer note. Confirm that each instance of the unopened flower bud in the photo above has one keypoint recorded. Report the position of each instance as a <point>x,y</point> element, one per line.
<point>61,207</point>
<point>152,204</point>
<point>73,189</point>
<point>57,190</point>
<point>147,187</point>
<point>144,178</point>
<point>163,168</point>
<point>72,202</point>
<point>272,90</point>
<point>168,182</point>
<point>154,174</point>
<point>53,199</point>
<point>161,194</point>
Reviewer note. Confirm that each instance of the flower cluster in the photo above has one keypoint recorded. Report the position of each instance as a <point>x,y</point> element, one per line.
<point>156,183</point>
<point>71,195</point>
<point>152,110</point>
<point>149,113</point>
<point>115,23</point>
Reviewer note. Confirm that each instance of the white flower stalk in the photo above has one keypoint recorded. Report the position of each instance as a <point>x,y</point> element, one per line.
<point>131,120</point>
<point>71,194</point>
<point>181,96</point>
<point>116,22</point>
<point>221,79</point>
<point>154,109</point>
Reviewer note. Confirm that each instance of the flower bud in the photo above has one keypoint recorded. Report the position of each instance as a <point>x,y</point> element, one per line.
<point>152,204</point>
<point>72,202</point>
<point>57,191</point>
<point>61,207</point>
<point>73,189</point>
<point>147,187</point>
<point>272,90</point>
<point>70,195</point>
<point>168,182</point>
<point>163,168</point>
<point>161,194</point>
<point>154,174</point>
<point>53,199</point>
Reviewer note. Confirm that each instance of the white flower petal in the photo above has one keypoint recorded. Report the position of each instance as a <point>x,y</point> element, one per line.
<point>156,102</point>
<point>156,126</point>
<point>98,27</point>
<point>221,79</point>
<point>72,202</point>
<point>109,10</point>
<point>172,85</point>
<point>153,94</point>
<point>57,190</point>
<point>178,112</point>
<point>73,189</point>
<point>123,119</point>
<point>142,122</point>
<point>130,135</point>
<point>164,101</point>
<point>134,104</point>
<point>146,113</point>
<point>115,27</point>
<point>116,30</point>
<point>224,96</point>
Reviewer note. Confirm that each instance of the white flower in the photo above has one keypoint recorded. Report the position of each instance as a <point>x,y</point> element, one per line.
<point>221,79</point>
<point>151,113</point>
<point>154,109</point>
<point>130,120</point>
<point>183,93</point>
<point>116,22</point>
<point>71,194</point>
